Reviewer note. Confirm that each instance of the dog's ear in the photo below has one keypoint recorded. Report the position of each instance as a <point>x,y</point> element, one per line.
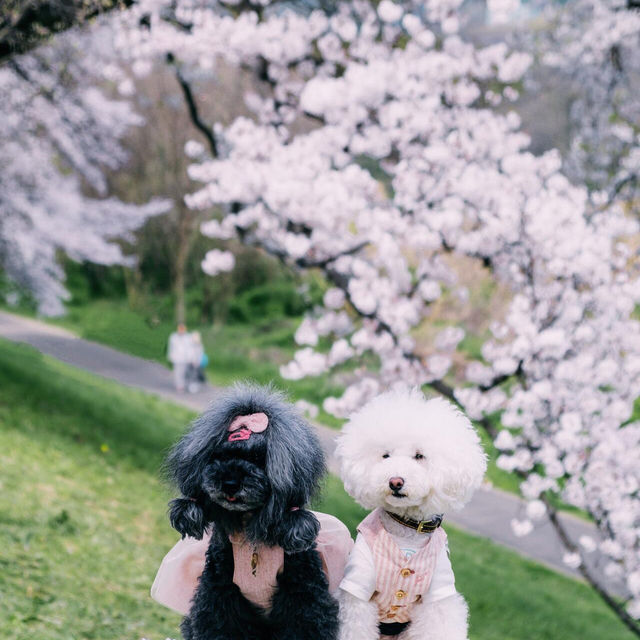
<point>189,457</point>
<point>295,460</point>
<point>294,466</point>
<point>184,468</point>
<point>187,517</point>
<point>460,463</point>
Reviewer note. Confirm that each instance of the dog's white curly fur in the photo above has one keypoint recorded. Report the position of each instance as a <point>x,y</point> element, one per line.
<point>398,425</point>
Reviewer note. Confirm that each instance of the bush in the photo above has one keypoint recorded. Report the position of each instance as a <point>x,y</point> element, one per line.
<point>88,281</point>
<point>268,301</point>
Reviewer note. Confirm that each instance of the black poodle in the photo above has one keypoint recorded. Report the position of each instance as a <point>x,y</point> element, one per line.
<point>246,469</point>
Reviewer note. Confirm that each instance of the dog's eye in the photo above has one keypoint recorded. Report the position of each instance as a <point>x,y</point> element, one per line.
<point>419,456</point>
<point>385,455</point>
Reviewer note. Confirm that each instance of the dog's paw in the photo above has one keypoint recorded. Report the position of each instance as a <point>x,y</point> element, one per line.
<point>187,517</point>
<point>299,531</point>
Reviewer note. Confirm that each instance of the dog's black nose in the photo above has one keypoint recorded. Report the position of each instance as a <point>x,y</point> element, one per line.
<point>395,484</point>
<point>230,486</point>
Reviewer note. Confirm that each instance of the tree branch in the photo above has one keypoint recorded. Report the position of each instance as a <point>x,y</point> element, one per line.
<point>498,380</point>
<point>25,24</point>
<point>325,262</point>
<point>194,114</point>
<point>444,389</point>
<point>621,184</point>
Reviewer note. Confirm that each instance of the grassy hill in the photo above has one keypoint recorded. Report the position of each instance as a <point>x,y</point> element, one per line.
<point>83,524</point>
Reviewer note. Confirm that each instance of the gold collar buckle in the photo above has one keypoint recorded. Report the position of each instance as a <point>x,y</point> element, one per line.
<point>425,526</point>
<point>429,526</point>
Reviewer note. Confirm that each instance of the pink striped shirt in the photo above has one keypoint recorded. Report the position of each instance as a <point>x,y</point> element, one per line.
<point>401,582</point>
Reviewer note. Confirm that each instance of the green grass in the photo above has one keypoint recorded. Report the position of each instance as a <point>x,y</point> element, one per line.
<point>83,522</point>
<point>113,323</point>
<point>82,514</point>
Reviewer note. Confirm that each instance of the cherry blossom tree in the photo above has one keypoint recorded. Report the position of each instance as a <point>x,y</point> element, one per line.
<point>374,156</point>
<point>58,133</point>
<point>594,44</point>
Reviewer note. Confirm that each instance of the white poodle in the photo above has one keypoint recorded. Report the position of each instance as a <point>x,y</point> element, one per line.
<point>410,460</point>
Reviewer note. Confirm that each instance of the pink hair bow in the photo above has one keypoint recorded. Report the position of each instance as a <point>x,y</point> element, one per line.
<point>242,427</point>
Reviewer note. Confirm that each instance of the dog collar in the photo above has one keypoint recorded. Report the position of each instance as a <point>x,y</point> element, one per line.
<point>421,526</point>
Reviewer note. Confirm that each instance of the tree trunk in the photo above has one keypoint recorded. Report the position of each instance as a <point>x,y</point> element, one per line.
<point>179,274</point>
<point>133,284</point>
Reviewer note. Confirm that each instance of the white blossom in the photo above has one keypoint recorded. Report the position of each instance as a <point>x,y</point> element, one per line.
<point>194,149</point>
<point>572,560</point>
<point>306,362</point>
<point>633,582</point>
<point>536,510</point>
<point>340,351</point>
<point>217,261</point>
<point>309,409</point>
<point>334,298</point>
<point>448,339</point>
<point>588,544</point>
<point>521,528</point>
<point>633,608</point>
<point>505,441</point>
<point>389,11</point>
<point>307,333</point>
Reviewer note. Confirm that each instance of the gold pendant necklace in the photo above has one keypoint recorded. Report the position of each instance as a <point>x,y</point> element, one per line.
<point>254,561</point>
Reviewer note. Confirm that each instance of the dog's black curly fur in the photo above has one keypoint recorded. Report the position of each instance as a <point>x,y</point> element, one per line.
<point>258,487</point>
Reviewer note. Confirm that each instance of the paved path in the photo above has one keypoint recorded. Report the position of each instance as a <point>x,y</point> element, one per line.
<point>489,514</point>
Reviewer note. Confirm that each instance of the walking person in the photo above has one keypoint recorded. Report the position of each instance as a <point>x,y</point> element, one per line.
<point>179,353</point>
<point>197,364</point>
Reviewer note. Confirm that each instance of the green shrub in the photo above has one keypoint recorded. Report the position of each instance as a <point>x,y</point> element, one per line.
<point>87,281</point>
<point>266,302</point>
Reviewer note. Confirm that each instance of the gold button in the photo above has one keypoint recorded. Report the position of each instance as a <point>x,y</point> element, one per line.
<point>400,594</point>
<point>405,573</point>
